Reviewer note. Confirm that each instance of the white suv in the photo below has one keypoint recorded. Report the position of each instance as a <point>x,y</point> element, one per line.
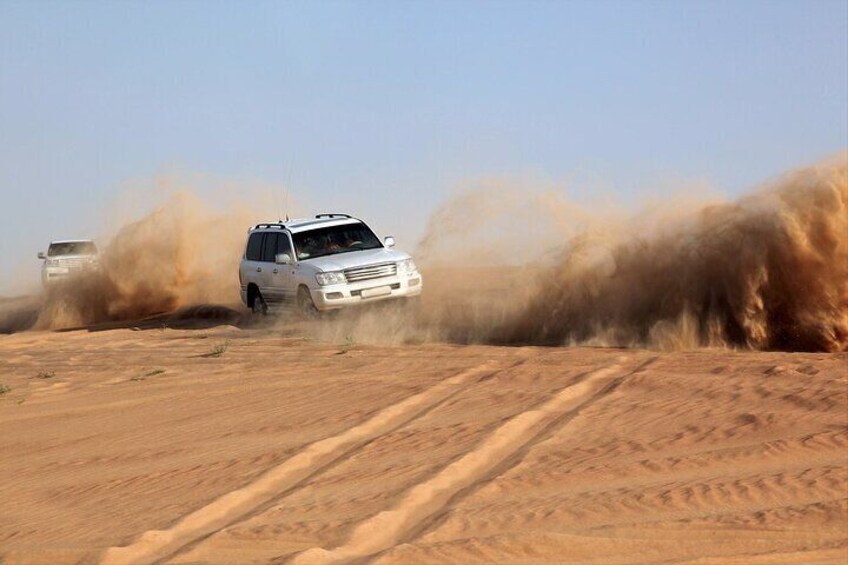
<point>323,263</point>
<point>66,258</point>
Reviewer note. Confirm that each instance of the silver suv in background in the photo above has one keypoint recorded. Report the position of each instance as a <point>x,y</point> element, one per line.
<point>66,258</point>
<point>323,263</point>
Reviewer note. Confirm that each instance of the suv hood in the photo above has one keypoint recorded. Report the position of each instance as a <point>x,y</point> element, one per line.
<point>350,259</point>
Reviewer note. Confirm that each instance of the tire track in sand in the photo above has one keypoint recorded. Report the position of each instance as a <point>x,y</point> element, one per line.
<point>155,545</point>
<point>425,502</point>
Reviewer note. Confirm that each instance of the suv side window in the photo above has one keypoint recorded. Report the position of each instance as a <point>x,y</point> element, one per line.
<point>269,248</point>
<point>254,247</point>
<point>284,245</point>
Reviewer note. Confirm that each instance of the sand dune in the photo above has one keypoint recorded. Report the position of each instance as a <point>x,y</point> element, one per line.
<point>226,445</point>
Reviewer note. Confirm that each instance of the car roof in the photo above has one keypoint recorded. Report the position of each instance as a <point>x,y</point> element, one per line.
<point>71,241</point>
<point>306,224</point>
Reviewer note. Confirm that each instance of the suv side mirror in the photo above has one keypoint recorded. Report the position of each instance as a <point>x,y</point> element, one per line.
<point>282,259</point>
<point>41,255</point>
<point>389,241</point>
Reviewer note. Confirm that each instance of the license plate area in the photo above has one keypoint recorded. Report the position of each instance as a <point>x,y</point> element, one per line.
<point>374,292</point>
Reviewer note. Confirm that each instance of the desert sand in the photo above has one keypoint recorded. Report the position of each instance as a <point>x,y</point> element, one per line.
<point>255,445</point>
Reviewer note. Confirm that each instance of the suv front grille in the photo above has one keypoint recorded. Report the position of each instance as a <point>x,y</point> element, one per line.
<point>71,263</point>
<point>370,272</point>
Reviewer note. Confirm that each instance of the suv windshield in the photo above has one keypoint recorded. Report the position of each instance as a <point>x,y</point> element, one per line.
<point>72,248</point>
<point>337,239</point>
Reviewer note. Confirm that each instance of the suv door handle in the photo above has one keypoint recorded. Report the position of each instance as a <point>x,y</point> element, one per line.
<point>258,269</point>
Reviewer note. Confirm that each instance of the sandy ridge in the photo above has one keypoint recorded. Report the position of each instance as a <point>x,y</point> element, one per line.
<point>389,528</point>
<point>158,544</point>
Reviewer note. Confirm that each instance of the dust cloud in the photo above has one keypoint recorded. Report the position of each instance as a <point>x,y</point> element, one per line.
<point>182,254</point>
<point>513,264</point>
<point>769,271</point>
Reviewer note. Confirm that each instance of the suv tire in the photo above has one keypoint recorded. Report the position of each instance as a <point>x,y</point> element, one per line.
<point>305,305</point>
<point>259,305</point>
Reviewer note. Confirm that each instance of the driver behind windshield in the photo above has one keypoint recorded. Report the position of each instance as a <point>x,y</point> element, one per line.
<point>336,239</point>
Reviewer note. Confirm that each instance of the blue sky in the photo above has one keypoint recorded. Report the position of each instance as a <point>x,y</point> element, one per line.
<point>384,108</point>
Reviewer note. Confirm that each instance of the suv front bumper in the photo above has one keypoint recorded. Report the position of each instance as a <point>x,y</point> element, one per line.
<point>55,274</point>
<point>341,295</point>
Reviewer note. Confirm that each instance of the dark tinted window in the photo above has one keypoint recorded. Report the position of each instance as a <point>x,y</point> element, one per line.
<point>283,245</point>
<point>269,248</point>
<point>337,239</point>
<point>254,247</point>
<point>72,248</point>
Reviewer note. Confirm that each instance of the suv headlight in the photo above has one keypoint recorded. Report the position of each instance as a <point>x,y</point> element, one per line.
<point>335,277</point>
<point>407,267</point>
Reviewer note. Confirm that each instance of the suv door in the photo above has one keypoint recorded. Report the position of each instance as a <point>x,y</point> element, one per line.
<point>268,269</point>
<point>284,274</point>
<point>251,267</point>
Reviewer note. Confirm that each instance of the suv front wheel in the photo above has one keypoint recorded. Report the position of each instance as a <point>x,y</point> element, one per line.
<point>305,305</point>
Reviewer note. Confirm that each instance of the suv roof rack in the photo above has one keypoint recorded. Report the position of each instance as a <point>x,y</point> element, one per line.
<point>263,226</point>
<point>333,216</point>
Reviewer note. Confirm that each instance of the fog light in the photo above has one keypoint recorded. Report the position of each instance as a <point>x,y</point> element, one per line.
<point>334,295</point>
<point>414,282</point>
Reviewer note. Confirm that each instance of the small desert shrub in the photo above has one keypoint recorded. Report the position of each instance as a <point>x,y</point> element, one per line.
<point>348,343</point>
<point>45,375</point>
<point>219,349</point>
<point>4,389</point>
